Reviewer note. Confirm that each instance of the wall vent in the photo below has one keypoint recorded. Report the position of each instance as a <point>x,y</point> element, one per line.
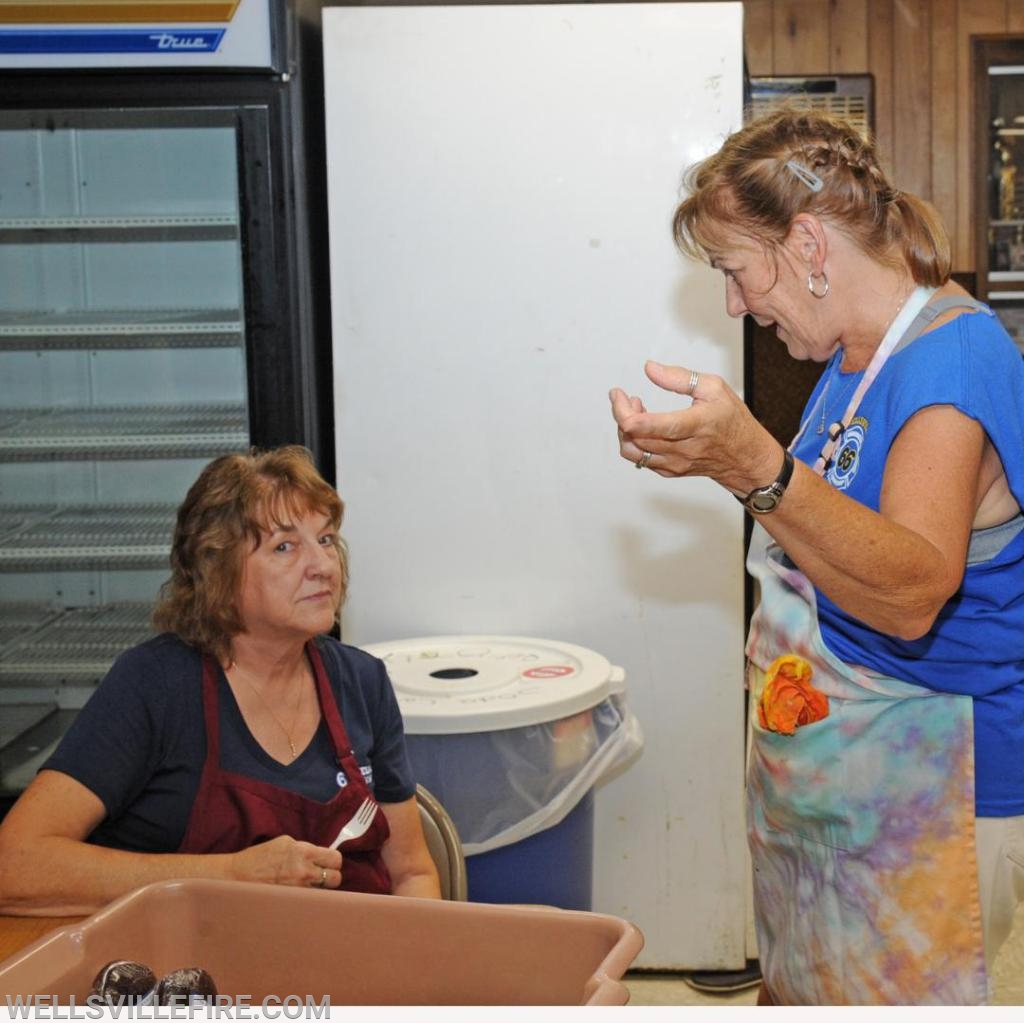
<point>847,96</point>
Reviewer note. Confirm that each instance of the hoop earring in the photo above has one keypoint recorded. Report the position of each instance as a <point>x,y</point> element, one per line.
<point>810,284</point>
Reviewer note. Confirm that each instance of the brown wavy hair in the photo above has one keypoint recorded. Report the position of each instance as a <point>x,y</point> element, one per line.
<point>234,502</point>
<point>747,186</point>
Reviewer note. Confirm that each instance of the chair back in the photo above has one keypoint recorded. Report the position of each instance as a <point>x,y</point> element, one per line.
<point>444,845</point>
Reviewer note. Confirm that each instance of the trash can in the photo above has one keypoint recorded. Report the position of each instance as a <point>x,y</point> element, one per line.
<point>512,734</point>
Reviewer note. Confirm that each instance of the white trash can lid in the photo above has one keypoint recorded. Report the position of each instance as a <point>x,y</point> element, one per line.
<point>457,684</point>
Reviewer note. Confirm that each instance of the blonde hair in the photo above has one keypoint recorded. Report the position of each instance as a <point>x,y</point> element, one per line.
<point>236,499</point>
<point>752,186</point>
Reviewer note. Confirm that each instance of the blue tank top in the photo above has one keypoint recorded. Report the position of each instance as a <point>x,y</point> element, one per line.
<point>976,645</point>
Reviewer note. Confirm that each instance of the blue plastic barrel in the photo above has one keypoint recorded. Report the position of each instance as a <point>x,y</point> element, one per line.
<point>554,867</point>
<point>501,730</point>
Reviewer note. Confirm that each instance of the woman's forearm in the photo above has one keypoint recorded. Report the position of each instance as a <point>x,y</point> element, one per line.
<point>419,885</point>
<point>53,875</point>
<point>887,575</point>
<point>58,876</point>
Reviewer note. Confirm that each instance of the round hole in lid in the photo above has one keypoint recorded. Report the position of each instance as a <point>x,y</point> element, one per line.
<point>453,673</point>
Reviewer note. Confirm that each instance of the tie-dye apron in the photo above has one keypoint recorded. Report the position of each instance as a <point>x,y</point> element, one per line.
<point>861,824</point>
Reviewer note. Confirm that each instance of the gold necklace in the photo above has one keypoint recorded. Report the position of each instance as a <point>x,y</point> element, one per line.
<point>270,710</point>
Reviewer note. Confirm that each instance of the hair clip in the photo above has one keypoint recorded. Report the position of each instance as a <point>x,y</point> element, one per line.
<point>808,177</point>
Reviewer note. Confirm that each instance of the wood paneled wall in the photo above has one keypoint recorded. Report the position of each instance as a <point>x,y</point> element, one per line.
<point>919,53</point>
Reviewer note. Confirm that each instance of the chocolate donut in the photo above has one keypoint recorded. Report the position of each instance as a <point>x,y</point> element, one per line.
<point>185,986</point>
<point>124,982</point>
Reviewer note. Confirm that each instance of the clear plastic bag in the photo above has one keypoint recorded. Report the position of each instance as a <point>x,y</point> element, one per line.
<point>503,786</point>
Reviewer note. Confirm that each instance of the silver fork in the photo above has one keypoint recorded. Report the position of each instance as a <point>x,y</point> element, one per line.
<point>358,825</point>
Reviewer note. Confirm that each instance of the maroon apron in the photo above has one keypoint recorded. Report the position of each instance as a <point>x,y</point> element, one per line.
<point>232,812</point>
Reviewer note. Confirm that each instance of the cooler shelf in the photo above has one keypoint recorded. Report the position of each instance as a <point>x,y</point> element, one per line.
<point>19,718</point>
<point>29,734</point>
<point>76,646</point>
<point>48,538</point>
<point>124,228</point>
<point>51,659</point>
<point>19,620</point>
<point>122,431</point>
<point>120,329</point>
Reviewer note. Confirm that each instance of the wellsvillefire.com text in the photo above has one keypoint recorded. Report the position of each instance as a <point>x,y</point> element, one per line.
<point>243,1007</point>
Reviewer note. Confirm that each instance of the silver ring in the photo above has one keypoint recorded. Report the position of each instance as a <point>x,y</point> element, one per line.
<point>694,380</point>
<point>644,460</point>
<point>323,879</point>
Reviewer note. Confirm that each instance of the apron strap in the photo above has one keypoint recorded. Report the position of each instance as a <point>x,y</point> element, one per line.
<point>329,708</point>
<point>904,325</point>
<point>211,715</point>
<point>931,312</point>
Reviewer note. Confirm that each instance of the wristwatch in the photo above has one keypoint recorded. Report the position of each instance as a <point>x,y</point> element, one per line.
<point>763,500</point>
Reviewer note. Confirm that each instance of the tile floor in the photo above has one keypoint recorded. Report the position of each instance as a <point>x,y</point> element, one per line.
<point>671,989</point>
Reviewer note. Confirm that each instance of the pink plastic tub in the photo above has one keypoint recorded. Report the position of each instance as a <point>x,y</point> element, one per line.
<point>262,941</point>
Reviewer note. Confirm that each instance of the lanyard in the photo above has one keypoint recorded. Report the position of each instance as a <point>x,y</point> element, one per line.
<point>900,325</point>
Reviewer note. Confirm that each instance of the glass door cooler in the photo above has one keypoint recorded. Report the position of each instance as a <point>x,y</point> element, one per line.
<point>999,177</point>
<point>151,318</point>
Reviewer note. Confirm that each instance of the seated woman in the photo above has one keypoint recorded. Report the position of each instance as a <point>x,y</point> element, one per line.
<point>239,741</point>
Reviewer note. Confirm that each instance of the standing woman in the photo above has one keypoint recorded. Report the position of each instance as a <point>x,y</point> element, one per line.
<point>886,656</point>
<point>239,741</point>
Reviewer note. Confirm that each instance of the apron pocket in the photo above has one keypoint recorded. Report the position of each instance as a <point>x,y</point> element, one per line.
<point>798,781</point>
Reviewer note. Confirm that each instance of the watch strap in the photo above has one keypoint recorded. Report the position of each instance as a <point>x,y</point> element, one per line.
<point>762,500</point>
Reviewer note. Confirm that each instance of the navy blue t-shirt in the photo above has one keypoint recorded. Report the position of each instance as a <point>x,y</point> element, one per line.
<point>139,743</point>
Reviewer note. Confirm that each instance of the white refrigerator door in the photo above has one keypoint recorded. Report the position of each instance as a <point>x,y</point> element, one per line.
<point>502,181</point>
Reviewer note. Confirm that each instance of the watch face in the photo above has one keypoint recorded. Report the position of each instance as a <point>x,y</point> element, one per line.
<point>764,502</point>
<point>766,499</point>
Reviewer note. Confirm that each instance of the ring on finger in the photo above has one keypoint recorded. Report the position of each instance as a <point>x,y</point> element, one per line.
<point>644,460</point>
<point>322,881</point>
<point>694,381</point>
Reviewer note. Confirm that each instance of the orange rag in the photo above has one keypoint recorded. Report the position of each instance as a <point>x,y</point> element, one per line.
<point>788,699</point>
